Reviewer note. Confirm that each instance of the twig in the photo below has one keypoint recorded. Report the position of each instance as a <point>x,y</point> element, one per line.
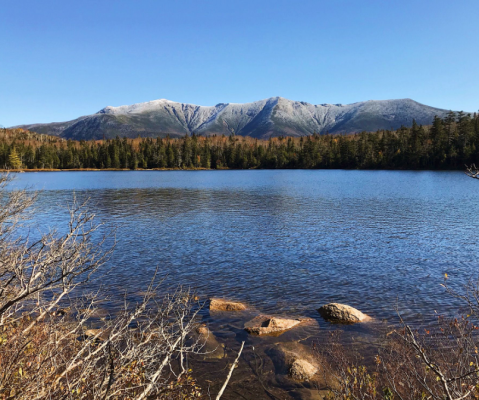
<point>230,373</point>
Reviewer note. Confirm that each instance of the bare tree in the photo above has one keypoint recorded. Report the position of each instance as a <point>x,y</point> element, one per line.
<point>48,348</point>
<point>441,362</point>
<point>472,171</point>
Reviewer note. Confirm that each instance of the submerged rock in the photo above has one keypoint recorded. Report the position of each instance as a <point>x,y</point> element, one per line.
<point>96,334</point>
<point>264,325</point>
<point>342,313</point>
<point>294,361</point>
<point>92,332</point>
<point>226,305</point>
<point>302,370</point>
<point>210,347</point>
<point>203,330</point>
<point>61,312</point>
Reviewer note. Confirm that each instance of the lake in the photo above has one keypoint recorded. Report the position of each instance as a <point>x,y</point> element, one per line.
<point>283,241</point>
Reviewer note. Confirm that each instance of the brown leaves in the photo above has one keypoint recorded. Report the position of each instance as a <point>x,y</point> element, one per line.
<point>44,353</point>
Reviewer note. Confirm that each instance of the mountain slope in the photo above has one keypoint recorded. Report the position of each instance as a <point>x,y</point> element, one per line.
<point>261,119</point>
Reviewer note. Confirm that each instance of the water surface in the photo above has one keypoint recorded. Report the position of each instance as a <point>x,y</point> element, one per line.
<point>285,242</point>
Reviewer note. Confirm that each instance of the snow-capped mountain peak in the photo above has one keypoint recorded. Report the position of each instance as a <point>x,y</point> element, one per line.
<point>264,118</point>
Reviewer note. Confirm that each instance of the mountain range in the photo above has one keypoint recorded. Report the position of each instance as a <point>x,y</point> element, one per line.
<point>275,116</point>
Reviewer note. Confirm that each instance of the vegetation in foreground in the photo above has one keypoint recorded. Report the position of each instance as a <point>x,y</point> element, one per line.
<point>47,347</point>
<point>449,143</point>
<point>440,362</point>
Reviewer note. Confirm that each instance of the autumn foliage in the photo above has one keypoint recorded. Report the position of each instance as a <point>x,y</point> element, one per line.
<point>448,143</point>
<point>53,345</point>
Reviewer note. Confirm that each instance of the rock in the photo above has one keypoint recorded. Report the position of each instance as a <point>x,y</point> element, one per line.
<point>209,347</point>
<point>203,330</point>
<point>264,325</point>
<point>293,360</point>
<point>226,305</point>
<point>91,333</point>
<point>310,394</point>
<point>61,312</point>
<point>302,370</point>
<point>342,313</point>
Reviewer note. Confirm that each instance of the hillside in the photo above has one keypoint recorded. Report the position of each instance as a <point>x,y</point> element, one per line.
<point>449,143</point>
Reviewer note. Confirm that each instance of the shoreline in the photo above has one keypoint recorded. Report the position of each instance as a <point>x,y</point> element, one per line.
<point>104,169</point>
<point>216,169</point>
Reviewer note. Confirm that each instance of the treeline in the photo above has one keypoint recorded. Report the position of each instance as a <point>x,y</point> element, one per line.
<point>449,143</point>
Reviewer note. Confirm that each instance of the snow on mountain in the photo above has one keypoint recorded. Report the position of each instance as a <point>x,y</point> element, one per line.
<point>270,117</point>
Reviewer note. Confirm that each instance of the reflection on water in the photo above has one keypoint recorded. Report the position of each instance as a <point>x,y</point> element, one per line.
<point>285,242</point>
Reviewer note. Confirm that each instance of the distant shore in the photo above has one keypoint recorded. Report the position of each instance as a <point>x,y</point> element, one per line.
<point>107,169</point>
<point>214,169</point>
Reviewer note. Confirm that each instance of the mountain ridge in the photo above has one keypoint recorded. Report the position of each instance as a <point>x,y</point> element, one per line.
<point>275,116</point>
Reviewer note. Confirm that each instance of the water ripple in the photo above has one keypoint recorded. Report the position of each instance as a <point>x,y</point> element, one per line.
<point>284,241</point>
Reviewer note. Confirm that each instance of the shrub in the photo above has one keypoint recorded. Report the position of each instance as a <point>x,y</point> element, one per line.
<point>46,347</point>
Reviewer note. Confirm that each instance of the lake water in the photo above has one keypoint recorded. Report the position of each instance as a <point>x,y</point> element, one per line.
<point>285,242</point>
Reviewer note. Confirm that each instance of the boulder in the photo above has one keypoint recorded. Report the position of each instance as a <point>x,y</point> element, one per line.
<point>97,334</point>
<point>92,332</point>
<point>302,370</point>
<point>226,305</point>
<point>208,346</point>
<point>264,325</point>
<point>296,361</point>
<point>342,313</point>
<point>203,330</point>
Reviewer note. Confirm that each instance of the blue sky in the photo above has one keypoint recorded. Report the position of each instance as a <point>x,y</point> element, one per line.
<point>63,59</point>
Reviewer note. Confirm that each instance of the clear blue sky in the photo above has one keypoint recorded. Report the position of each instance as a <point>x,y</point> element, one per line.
<point>63,59</point>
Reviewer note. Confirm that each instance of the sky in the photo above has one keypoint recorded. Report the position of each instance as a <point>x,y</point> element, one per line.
<point>63,59</point>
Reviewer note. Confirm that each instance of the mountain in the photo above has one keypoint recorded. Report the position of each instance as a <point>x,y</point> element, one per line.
<point>261,119</point>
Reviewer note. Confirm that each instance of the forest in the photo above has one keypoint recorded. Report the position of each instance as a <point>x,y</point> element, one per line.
<point>449,143</point>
